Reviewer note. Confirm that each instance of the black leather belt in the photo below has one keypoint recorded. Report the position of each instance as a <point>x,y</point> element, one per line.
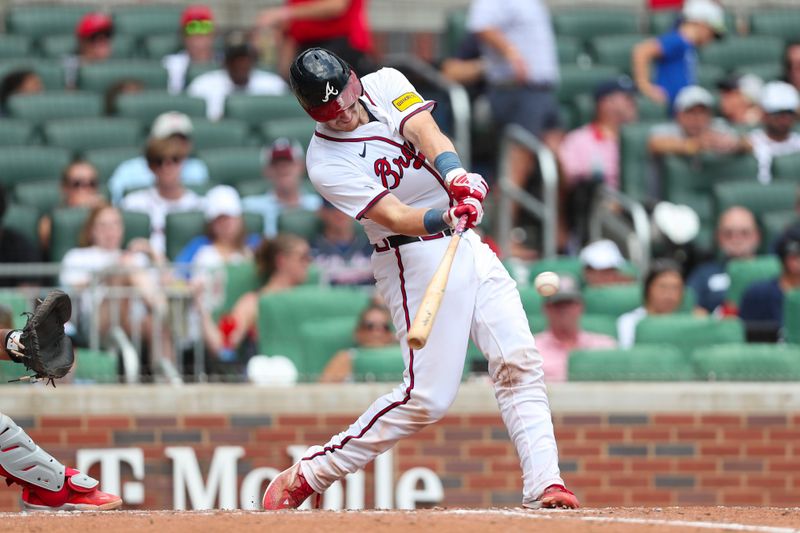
<point>395,241</point>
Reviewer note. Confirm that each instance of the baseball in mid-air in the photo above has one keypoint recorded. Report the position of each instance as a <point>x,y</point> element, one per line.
<point>546,283</point>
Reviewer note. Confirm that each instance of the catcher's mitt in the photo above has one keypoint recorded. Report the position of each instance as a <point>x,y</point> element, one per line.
<point>42,346</point>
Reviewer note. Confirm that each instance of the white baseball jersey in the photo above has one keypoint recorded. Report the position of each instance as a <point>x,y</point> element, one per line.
<point>353,170</point>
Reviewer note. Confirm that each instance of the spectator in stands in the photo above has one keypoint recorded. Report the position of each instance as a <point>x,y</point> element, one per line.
<point>101,255</point>
<point>519,50</point>
<point>6,317</point>
<point>283,170</point>
<point>564,310</point>
<point>283,262</point>
<point>165,157</point>
<point>467,66</point>
<point>18,82</point>
<point>675,52</point>
<point>79,188</point>
<point>663,294</point>
<point>342,252</point>
<point>762,302</point>
<point>738,237</point>
<point>340,26</point>
<point>780,102</point>
<point>739,96</point>
<point>239,76</point>
<point>112,94</point>
<point>197,32</point>
<point>695,130</point>
<point>136,173</point>
<point>603,263</point>
<point>373,330</point>
<point>94,32</point>
<point>791,64</point>
<point>15,248</point>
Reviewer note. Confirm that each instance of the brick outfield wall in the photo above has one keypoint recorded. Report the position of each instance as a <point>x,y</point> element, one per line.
<point>608,460</point>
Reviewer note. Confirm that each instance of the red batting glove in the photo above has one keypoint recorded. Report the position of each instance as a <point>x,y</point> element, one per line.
<point>463,184</point>
<point>470,207</point>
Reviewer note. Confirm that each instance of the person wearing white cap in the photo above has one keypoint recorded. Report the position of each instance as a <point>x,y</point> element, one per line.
<point>695,129</point>
<point>225,228</point>
<point>675,52</point>
<point>283,169</point>
<point>136,174</point>
<point>602,263</point>
<point>739,97</point>
<point>780,103</point>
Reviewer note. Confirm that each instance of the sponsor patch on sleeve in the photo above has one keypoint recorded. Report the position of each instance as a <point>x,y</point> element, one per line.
<point>404,101</point>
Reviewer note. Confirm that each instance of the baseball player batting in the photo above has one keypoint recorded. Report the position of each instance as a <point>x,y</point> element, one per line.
<point>378,155</point>
<point>47,485</point>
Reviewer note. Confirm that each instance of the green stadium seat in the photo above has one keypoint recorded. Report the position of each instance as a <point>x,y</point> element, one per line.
<point>255,109</point>
<point>455,30</point>
<point>682,175</point>
<point>220,134</point>
<point>79,135</point>
<point>322,339</point>
<point>568,49</point>
<point>758,198</point>
<point>159,45</point>
<point>743,272</point>
<point>25,220</point>
<point>587,23</point>
<point>559,265</point>
<point>58,46</point>
<point>240,278</point>
<point>378,364</point>
<point>576,80</point>
<point>775,223</point>
<point>791,316</point>
<point>232,165</point>
<point>40,21</point>
<point>605,324</point>
<point>253,222</point>
<point>67,224</point>
<point>640,363</point>
<point>615,50</point>
<point>767,71</point>
<point>51,72</point>
<point>55,105</point>
<point>147,105</point>
<point>18,303</point>
<point>10,371</point>
<point>15,132</point>
<point>709,75</point>
<point>98,77</point>
<point>42,195</point>
<point>96,366</point>
<point>137,225</point>
<point>781,23</point>
<point>106,160</point>
<point>733,51</point>
<point>198,69</point>
<point>24,163</point>
<point>143,20</point>
<point>282,315</point>
<point>687,332</point>
<point>14,46</point>
<point>612,300</point>
<point>306,224</point>
<point>748,362</point>
<point>252,187</point>
<point>786,166</point>
<point>181,228</point>
<point>634,159</point>
<point>301,129</point>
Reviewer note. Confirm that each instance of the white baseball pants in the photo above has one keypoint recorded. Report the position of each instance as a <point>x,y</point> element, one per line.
<point>481,301</point>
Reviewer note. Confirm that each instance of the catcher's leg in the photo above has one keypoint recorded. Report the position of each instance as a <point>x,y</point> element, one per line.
<point>47,485</point>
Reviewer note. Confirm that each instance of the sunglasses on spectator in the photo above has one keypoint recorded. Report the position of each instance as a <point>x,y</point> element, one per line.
<point>198,27</point>
<point>736,232</point>
<point>82,184</point>
<point>161,161</point>
<point>100,36</point>
<point>376,326</point>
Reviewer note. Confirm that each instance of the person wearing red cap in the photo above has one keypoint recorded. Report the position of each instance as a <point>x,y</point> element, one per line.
<point>94,32</point>
<point>197,32</point>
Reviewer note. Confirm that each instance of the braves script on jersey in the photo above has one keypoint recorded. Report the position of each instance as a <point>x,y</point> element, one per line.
<point>354,170</point>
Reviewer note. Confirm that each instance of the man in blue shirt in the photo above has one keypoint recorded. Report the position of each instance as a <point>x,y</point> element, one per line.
<point>675,52</point>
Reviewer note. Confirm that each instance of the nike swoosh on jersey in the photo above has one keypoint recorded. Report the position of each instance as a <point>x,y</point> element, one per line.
<point>364,151</point>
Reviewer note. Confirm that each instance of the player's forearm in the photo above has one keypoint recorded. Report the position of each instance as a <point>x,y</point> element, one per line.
<point>425,135</point>
<point>398,217</point>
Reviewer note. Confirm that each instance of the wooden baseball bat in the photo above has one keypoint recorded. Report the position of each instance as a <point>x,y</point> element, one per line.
<point>426,314</point>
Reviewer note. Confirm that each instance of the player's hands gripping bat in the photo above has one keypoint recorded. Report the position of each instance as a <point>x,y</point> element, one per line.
<point>462,184</point>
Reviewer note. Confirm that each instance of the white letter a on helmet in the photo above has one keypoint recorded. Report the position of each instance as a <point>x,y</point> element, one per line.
<point>329,91</point>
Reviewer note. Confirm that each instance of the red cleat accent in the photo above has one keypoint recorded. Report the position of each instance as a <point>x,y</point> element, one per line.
<point>79,493</point>
<point>288,490</point>
<point>555,496</point>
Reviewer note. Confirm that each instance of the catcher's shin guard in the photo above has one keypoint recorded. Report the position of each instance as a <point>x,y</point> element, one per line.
<point>22,461</point>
